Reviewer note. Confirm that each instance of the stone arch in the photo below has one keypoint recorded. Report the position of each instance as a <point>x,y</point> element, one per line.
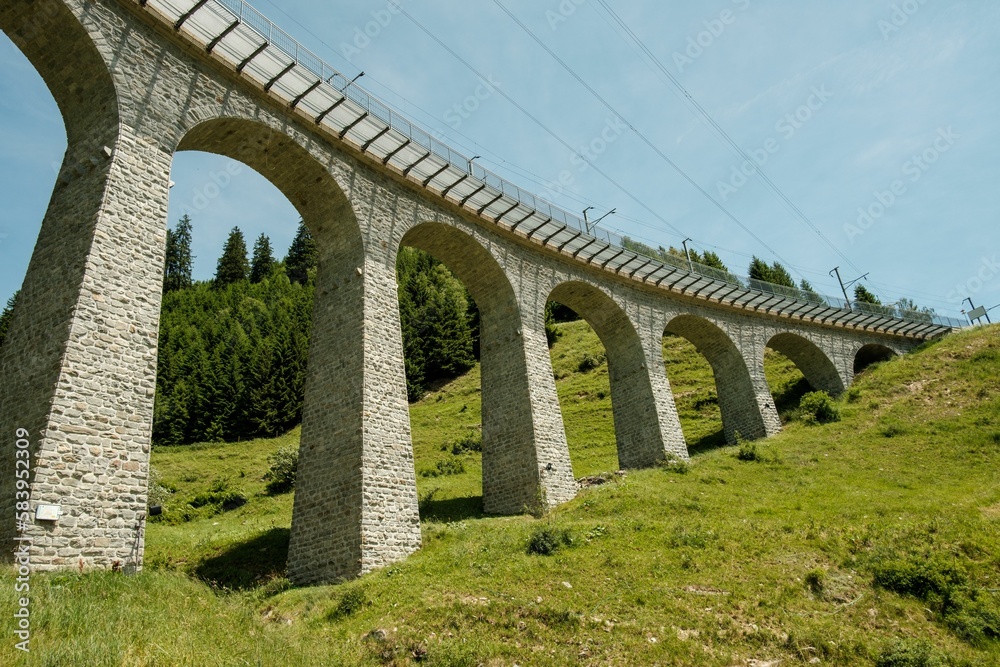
<point>815,365</point>
<point>638,431</point>
<point>741,412</point>
<point>301,177</point>
<point>872,353</point>
<point>519,453</point>
<point>76,73</point>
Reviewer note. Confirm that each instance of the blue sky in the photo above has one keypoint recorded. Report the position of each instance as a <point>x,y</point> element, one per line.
<point>878,120</point>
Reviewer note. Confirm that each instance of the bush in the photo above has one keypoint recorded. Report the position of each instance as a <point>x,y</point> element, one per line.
<point>589,362</point>
<point>449,466</point>
<point>818,407</point>
<point>280,476</point>
<point>815,581</point>
<point>546,541</point>
<point>351,602</point>
<point>470,442</point>
<point>748,451</point>
<point>909,653</point>
<point>158,492</point>
<point>675,464</point>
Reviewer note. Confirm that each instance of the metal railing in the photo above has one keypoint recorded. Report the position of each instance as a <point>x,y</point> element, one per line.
<point>305,58</point>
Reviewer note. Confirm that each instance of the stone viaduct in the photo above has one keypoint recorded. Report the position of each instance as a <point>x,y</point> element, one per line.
<point>137,81</point>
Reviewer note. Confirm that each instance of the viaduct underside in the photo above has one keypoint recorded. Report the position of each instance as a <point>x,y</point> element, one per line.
<point>79,365</point>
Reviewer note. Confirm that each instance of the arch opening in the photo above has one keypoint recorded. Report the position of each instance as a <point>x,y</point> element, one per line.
<point>794,366</point>
<point>638,434</point>
<point>734,387</point>
<point>871,354</point>
<point>506,435</point>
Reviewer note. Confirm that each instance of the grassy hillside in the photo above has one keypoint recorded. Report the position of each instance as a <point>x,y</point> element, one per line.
<point>870,541</point>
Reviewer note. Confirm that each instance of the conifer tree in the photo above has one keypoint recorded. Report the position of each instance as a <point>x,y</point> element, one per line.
<point>302,256</point>
<point>232,266</point>
<point>862,295</point>
<point>781,276</point>
<point>759,270</point>
<point>263,261</point>
<point>178,260</point>
<point>5,317</point>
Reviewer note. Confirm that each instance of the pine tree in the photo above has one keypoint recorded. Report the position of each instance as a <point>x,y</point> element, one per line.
<point>759,270</point>
<point>263,260</point>
<point>177,264</point>
<point>232,266</point>
<point>781,276</point>
<point>709,258</point>
<point>302,256</point>
<point>862,295</point>
<point>8,313</point>
<point>808,292</point>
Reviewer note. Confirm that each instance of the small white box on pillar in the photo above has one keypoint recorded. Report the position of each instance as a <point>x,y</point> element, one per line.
<point>47,512</point>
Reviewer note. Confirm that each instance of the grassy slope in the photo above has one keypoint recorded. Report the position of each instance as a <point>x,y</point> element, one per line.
<point>727,562</point>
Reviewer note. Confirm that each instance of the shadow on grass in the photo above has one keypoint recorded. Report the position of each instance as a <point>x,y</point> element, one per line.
<point>708,443</point>
<point>787,399</point>
<point>452,509</point>
<point>247,565</point>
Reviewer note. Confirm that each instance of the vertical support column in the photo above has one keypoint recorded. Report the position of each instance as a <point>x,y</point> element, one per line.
<point>670,437</point>
<point>356,492</point>
<point>753,358</point>
<point>79,366</point>
<point>525,455</point>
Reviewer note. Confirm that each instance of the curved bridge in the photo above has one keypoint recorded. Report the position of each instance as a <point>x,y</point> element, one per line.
<point>138,80</point>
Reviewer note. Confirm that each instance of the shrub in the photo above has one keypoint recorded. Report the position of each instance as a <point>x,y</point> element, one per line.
<point>158,491</point>
<point>909,653</point>
<point>818,407</point>
<point>280,476</point>
<point>449,466</point>
<point>748,451</point>
<point>546,541</point>
<point>470,442</point>
<point>589,362</point>
<point>350,602</point>
<point>675,464</point>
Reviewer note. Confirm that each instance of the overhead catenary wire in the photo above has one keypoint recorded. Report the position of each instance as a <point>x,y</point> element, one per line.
<point>663,156</point>
<point>536,120</point>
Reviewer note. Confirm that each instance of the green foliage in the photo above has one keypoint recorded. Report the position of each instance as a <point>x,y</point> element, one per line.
<point>675,464</point>
<point>589,362</point>
<point>302,257</point>
<point>942,581</point>
<point>552,332</point>
<point>545,540</point>
<point>818,407</point>
<point>262,263</point>
<point>351,602</point>
<point>815,581</point>
<point>231,361</point>
<point>470,442</point>
<point>178,259</point>
<point>776,274</point>
<point>863,295</point>
<point>909,653</point>
<point>445,467</point>
<point>7,315</point>
<point>232,266</point>
<point>158,493</point>
<point>747,451</point>
<point>434,316</point>
<point>283,467</point>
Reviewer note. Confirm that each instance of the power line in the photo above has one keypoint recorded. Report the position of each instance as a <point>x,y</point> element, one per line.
<point>639,134</point>
<point>757,169</point>
<point>536,120</point>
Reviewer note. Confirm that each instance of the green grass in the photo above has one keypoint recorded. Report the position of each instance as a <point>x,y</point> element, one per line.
<point>718,563</point>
